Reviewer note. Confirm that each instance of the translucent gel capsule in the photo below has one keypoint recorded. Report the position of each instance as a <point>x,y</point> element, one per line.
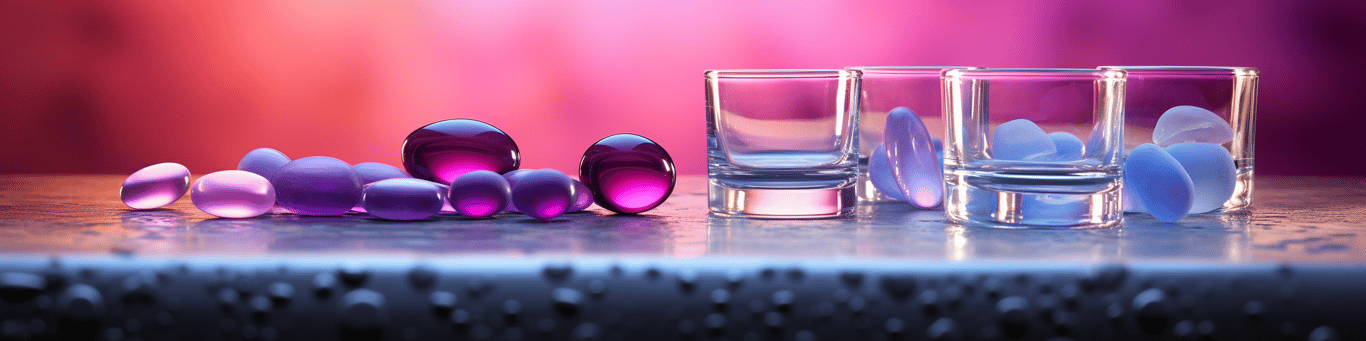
<point>445,150</point>
<point>1021,140</point>
<point>1159,182</point>
<point>1186,123</point>
<point>370,172</point>
<point>1068,146</point>
<point>403,199</point>
<point>233,194</point>
<point>317,185</point>
<point>263,161</point>
<point>480,194</point>
<point>910,155</point>
<point>880,172</point>
<point>1211,169</point>
<point>583,197</point>
<point>543,194</point>
<point>512,181</point>
<point>155,186</point>
<point>627,173</point>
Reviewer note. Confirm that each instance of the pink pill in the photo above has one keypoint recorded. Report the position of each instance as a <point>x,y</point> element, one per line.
<point>233,194</point>
<point>155,186</point>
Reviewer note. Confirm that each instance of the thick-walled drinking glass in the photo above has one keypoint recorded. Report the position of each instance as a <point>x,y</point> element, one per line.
<point>1034,148</point>
<point>782,143</point>
<point>886,88</point>
<point>1226,98</point>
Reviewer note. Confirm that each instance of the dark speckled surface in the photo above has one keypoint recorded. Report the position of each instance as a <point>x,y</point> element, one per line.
<point>1295,219</point>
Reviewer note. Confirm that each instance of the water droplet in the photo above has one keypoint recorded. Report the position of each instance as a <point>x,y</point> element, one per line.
<point>894,326</point>
<point>81,302</point>
<point>586,331</point>
<point>852,279</point>
<point>421,277</point>
<point>782,300</point>
<point>443,302</point>
<point>687,280</point>
<point>1013,318</point>
<point>597,288</point>
<point>362,310</point>
<point>943,329</point>
<point>566,301</point>
<point>1254,310</point>
<point>1323,333</point>
<point>259,305</point>
<point>898,286</point>
<point>18,287</point>
<point>557,272</point>
<point>353,274</point>
<point>323,283</point>
<point>719,298</point>
<point>1151,310</point>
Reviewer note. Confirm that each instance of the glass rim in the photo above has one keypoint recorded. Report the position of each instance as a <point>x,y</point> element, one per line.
<point>907,69</point>
<point>1035,72</point>
<point>780,73</point>
<point>1190,70</point>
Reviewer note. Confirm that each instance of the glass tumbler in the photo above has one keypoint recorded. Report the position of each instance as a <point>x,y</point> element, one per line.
<point>886,88</point>
<point>1158,109</point>
<point>1034,148</point>
<point>782,143</point>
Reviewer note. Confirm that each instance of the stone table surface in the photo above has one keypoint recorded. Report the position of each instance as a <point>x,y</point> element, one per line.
<point>1294,219</point>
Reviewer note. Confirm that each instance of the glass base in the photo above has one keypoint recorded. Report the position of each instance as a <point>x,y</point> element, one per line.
<point>974,206</point>
<point>1241,199</point>
<point>869,193</point>
<point>781,203</point>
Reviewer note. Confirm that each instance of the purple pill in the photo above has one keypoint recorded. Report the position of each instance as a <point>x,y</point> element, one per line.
<point>233,194</point>
<point>445,150</point>
<point>155,186</point>
<point>880,172</point>
<point>543,194</point>
<point>317,185</point>
<point>370,172</point>
<point>512,181</point>
<point>403,199</point>
<point>263,161</point>
<point>583,197</point>
<point>627,173</point>
<point>480,194</point>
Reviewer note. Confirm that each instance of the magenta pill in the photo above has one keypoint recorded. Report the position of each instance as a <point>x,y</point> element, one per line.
<point>480,194</point>
<point>445,150</point>
<point>627,173</point>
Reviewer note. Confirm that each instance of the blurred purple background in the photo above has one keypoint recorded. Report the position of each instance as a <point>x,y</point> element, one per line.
<point>111,86</point>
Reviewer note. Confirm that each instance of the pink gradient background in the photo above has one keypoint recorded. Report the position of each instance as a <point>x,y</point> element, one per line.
<point>109,87</point>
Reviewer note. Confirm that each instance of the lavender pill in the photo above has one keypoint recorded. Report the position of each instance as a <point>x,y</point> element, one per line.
<point>480,194</point>
<point>403,199</point>
<point>583,197</point>
<point>155,186</point>
<point>263,161</point>
<point>317,185</point>
<point>512,181</point>
<point>543,194</point>
<point>233,194</point>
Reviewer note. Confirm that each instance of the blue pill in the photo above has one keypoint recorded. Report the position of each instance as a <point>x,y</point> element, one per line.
<point>880,172</point>
<point>1186,123</point>
<point>263,161</point>
<point>1021,140</point>
<point>403,199</point>
<point>1159,182</point>
<point>1068,146</point>
<point>543,194</point>
<point>910,155</point>
<point>370,172</point>
<point>1131,203</point>
<point>480,194</point>
<point>1211,169</point>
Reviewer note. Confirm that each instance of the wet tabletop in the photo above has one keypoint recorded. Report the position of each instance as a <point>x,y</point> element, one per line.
<point>1294,219</point>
